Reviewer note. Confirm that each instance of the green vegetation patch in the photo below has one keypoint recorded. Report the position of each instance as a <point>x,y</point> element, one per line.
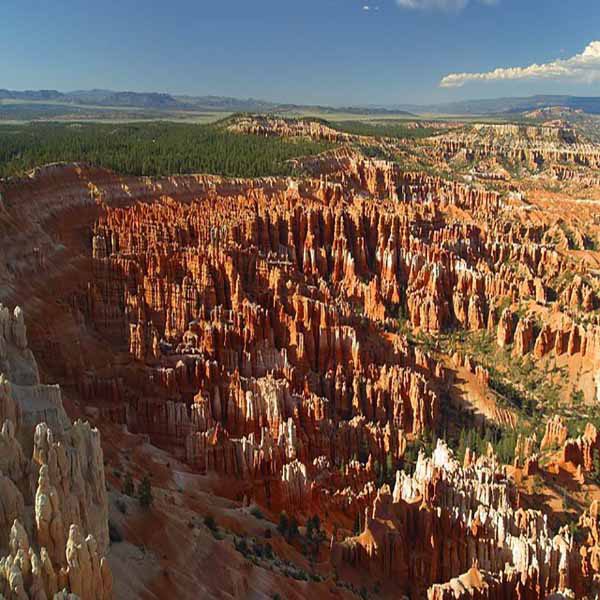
<point>153,149</point>
<point>389,129</point>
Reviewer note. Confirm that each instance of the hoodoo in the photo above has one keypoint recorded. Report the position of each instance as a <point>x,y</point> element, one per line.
<point>361,378</point>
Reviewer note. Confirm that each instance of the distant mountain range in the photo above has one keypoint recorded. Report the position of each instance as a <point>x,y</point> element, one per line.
<point>174,103</point>
<point>160,101</point>
<point>587,104</point>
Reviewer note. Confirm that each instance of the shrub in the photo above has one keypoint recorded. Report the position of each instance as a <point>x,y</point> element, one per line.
<point>145,493</point>
<point>283,524</point>
<point>113,533</point>
<point>268,550</point>
<point>257,548</point>
<point>241,546</point>
<point>210,522</point>
<point>121,506</point>
<point>256,513</point>
<point>128,487</point>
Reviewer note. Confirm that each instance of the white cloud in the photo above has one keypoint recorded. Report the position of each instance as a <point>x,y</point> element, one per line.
<point>584,67</point>
<point>447,5</point>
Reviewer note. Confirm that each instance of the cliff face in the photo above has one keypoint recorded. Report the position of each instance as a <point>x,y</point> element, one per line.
<point>246,281</point>
<point>284,338</point>
<point>467,523</point>
<point>534,146</point>
<point>280,127</point>
<point>54,510</point>
<point>255,320</point>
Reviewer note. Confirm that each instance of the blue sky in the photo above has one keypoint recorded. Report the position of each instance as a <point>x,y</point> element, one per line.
<point>311,51</point>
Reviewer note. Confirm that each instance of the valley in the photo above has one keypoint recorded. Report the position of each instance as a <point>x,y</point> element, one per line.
<point>365,368</point>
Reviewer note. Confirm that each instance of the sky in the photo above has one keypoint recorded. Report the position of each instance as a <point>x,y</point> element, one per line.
<point>336,52</point>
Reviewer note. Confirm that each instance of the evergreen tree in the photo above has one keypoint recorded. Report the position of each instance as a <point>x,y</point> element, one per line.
<point>389,465</point>
<point>595,475</point>
<point>128,487</point>
<point>293,528</point>
<point>309,528</point>
<point>317,522</point>
<point>357,524</point>
<point>145,493</point>
<point>154,149</point>
<point>283,524</point>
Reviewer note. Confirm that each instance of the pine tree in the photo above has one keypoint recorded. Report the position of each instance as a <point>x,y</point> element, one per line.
<point>293,528</point>
<point>309,528</point>
<point>389,464</point>
<point>145,493</point>
<point>317,523</point>
<point>596,472</point>
<point>283,524</point>
<point>357,524</point>
<point>128,487</point>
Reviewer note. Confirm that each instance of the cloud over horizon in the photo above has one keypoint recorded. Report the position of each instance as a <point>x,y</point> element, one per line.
<point>446,5</point>
<point>583,67</point>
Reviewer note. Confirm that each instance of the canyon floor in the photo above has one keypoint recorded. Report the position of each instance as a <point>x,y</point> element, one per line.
<point>376,378</point>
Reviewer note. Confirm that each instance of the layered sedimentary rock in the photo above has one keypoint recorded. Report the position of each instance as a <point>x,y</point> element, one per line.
<point>255,316</point>
<point>280,127</point>
<point>255,327</point>
<point>464,516</point>
<point>282,335</point>
<point>532,145</point>
<point>54,509</point>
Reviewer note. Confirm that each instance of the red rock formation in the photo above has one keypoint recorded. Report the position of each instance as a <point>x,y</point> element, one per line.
<point>523,339</point>
<point>56,493</point>
<point>580,451</point>
<point>505,328</point>
<point>469,517</point>
<point>555,435</point>
<point>268,331</point>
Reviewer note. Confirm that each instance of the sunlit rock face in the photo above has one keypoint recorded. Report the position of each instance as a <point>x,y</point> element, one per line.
<point>54,517</point>
<point>470,535</point>
<point>278,336</point>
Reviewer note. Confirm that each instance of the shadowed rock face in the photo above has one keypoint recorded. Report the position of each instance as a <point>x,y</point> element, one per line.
<point>251,329</point>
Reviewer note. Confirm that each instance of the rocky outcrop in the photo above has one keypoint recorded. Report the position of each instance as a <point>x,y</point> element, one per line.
<point>555,435</point>
<point>580,451</point>
<point>523,338</point>
<point>534,146</point>
<point>271,126</point>
<point>52,486</point>
<point>506,328</point>
<point>277,335</point>
<point>470,517</point>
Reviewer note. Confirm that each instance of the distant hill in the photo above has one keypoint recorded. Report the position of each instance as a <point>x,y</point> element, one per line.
<point>89,96</point>
<point>140,100</point>
<point>157,101</point>
<point>161,101</point>
<point>32,95</point>
<point>226,104</point>
<point>129,99</point>
<point>153,100</point>
<point>495,106</point>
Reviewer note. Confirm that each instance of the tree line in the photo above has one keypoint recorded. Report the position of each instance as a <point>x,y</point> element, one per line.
<point>152,148</point>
